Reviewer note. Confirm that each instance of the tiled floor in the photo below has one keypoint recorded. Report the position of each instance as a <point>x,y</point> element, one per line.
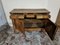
<point>8,37</point>
<point>57,37</point>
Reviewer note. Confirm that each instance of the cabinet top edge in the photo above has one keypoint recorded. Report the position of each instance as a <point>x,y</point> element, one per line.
<point>29,11</point>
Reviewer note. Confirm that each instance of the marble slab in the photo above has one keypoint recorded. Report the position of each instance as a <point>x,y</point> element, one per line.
<point>32,38</point>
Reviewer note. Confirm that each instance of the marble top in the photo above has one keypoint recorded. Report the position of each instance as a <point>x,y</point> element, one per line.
<point>29,11</point>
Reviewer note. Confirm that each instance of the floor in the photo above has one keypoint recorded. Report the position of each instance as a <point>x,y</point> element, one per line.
<point>56,40</point>
<point>9,37</point>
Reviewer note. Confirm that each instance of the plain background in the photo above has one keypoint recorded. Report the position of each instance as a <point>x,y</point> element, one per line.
<point>3,20</point>
<point>52,5</point>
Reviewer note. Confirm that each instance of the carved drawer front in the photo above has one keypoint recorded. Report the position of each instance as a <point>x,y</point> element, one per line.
<point>20,16</point>
<point>30,15</point>
<point>13,16</point>
<point>42,16</point>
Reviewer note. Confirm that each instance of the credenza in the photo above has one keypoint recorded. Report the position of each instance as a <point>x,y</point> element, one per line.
<point>32,20</point>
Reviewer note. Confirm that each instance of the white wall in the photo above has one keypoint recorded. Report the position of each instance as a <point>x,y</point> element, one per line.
<point>3,20</point>
<point>53,6</point>
<point>11,4</point>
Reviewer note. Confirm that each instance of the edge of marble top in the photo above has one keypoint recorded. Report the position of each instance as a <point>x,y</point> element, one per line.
<point>29,11</point>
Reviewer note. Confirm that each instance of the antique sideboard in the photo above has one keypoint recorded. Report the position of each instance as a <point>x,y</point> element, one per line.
<point>32,20</point>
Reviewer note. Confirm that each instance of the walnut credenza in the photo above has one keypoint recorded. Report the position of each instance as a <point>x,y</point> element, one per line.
<point>32,20</point>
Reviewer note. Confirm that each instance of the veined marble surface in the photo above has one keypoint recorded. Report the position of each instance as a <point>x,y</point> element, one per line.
<point>8,37</point>
<point>57,37</point>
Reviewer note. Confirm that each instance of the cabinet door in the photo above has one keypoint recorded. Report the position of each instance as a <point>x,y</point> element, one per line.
<point>19,24</point>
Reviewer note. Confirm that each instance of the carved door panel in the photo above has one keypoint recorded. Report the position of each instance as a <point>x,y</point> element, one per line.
<point>20,25</point>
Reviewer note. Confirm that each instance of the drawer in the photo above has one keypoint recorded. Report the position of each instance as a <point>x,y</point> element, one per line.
<point>13,16</point>
<point>42,16</point>
<point>20,16</point>
<point>30,15</point>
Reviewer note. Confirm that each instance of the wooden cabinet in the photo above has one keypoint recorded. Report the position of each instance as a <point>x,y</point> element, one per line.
<point>31,20</point>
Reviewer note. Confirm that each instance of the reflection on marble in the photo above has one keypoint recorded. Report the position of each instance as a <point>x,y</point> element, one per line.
<point>8,37</point>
